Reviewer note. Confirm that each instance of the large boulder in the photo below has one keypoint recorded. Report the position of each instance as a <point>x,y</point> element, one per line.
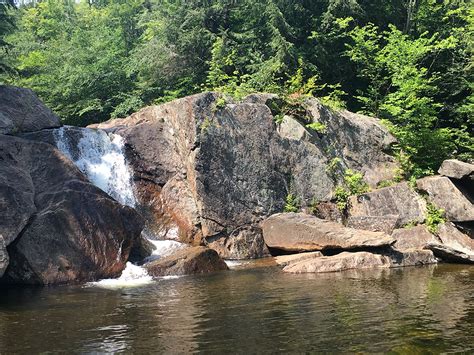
<point>217,167</point>
<point>301,232</point>
<point>283,260</point>
<point>245,243</point>
<point>22,111</point>
<point>360,260</point>
<point>417,237</point>
<point>386,209</point>
<point>193,260</point>
<point>456,169</point>
<point>57,226</point>
<point>453,245</point>
<point>445,195</point>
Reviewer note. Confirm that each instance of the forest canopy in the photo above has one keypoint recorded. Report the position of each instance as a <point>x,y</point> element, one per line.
<point>408,62</point>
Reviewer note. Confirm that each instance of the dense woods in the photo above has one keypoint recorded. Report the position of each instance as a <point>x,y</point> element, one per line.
<point>408,62</point>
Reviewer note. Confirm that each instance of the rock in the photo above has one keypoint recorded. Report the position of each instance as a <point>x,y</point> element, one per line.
<point>216,175</point>
<point>456,169</point>
<point>193,260</point>
<point>360,260</point>
<point>329,211</point>
<point>243,243</point>
<point>57,226</point>
<point>450,254</point>
<point>300,232</point>
<point>454,245</point>
<point>22,111</point>
<point>3,256</point>
<point>384,204</point>
<point>384,224</point>
<point>445,195</point>
<point>416,237</point>
<point>283,260</point>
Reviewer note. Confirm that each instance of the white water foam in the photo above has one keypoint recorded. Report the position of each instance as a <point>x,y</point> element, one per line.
<point>101,158</point>
<point>132,276</point>
<point>163,248</point>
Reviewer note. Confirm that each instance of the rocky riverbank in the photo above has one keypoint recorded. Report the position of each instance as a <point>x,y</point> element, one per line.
<point>217,174</point>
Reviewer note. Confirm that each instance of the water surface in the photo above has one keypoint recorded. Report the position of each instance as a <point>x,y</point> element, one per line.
<point>250,311</point>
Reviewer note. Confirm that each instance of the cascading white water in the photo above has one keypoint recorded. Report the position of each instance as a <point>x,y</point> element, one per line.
<point>101,158</point>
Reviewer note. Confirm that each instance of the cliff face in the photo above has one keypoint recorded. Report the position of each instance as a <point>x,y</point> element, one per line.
<point>216,168</point>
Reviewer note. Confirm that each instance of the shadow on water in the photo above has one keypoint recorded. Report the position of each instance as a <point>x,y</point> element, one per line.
<point>251,311</point>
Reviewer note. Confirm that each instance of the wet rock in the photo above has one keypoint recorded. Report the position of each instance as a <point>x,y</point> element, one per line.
<point>243,243</point>
<point>454,245</point>
<point>22,111</point>
<point>283,260</point>
<point>193,260</point>
<point>456,169</point>
<point>445,195</point>
<point>216,175</point>
<point>360,260</point>
<point>3,256</point>
<point>371,210</point>
<point>300,232</point>
<point>59,228</point>
<point>416,237</point>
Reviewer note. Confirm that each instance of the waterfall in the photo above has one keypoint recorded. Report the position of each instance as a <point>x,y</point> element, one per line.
<point>100,156</point>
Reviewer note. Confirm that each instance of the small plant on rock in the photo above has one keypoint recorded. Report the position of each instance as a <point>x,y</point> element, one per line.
<point>342,197</point>
<point>434,217</point>
<point>355,182</point>
<point>317,127</point>
<point>292,203</point>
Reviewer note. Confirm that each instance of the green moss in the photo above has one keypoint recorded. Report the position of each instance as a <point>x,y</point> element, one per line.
<point>317,127</point>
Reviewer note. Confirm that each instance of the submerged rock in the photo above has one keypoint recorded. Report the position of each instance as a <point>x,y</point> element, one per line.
<point>386,209</point>
<point>193,260</point>
<point>57,226</point>
<point>456,169</point>
<point>301,232</point>
<point>22,111</point>
<point>445,195</point>
<point>361,260</point>
<point>215,168</point>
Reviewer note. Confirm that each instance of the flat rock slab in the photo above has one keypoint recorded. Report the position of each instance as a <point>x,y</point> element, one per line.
<point>416,237</point>
<point>22,111</point>
<point>302,232</point>
<point>283,260</point>
<point>360,260</point>
<point>386,204</point>
<point>194,260</point>
<point>444,194</point>
<point>454,246</point>
<point>456,169</point>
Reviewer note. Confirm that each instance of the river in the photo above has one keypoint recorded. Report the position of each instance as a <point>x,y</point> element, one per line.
<point>252,310</point>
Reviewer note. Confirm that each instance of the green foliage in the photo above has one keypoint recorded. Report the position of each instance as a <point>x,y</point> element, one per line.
<point>341,196</point>
<point>317,127</point>
<point>434,217</point>
<point>412,66</point>
<point>355,182</point>
<point>292,203</point>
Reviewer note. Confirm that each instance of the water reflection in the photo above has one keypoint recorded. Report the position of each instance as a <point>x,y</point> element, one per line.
<point>264,310</point>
